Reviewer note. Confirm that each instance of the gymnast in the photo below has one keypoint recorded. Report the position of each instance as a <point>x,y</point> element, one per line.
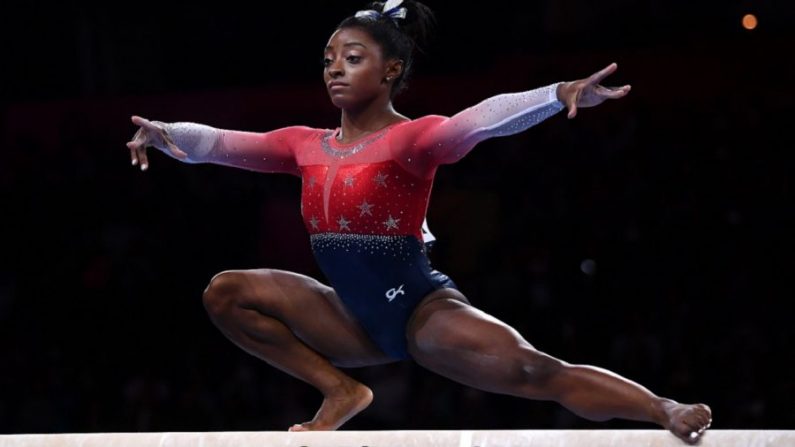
<point>365,190</point>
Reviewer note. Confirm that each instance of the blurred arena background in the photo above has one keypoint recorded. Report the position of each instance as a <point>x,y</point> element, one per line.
<point>652,235</point>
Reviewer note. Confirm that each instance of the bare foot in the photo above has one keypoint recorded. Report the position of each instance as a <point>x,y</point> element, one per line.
<point>687,422</point>
<point>337,409</point>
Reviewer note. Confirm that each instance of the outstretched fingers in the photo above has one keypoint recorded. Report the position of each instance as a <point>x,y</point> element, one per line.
<point>138,149</point>
<point>139,142</point>
<point>142,157</point>
<point>145,123</point>
<point>601,74</point>
<point>157,129</point>
<point>133,144</point>
<point>613,92</point>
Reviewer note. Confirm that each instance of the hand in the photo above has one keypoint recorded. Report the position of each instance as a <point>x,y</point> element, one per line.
<point>588,92</point>
<point>150,134</point>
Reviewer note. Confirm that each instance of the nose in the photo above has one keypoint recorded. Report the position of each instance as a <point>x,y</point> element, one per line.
<point>335,69</point>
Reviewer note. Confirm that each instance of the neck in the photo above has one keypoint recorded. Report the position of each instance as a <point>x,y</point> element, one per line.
<point>371,118</point>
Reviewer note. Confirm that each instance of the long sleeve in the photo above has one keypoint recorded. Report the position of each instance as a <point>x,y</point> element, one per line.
<point>262,152</point>
<point>441,140</point>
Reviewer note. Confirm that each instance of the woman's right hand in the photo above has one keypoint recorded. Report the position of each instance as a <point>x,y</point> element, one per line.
<point>151,134</point>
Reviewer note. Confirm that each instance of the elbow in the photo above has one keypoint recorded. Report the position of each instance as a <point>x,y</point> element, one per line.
<point>458,150</point>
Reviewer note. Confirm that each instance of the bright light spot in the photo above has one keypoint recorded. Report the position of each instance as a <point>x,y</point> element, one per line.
<point>588,267</point>
<point>749,21</point>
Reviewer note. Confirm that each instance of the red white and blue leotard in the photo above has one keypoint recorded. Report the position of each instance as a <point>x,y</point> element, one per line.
<point>364,203</point>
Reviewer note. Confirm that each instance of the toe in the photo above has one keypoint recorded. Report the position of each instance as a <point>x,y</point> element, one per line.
<point>701,420</point>
<point>689,430</point>
<point>694,438</point>
<point>705,416</point>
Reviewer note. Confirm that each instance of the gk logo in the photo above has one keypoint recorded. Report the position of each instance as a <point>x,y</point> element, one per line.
<point>392,293</point>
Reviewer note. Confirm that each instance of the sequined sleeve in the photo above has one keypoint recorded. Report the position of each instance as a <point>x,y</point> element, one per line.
<point>447,140</point>
<point>262,152</point>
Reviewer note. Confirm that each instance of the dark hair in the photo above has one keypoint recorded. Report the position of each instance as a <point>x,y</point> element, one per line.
<point>399,38</point>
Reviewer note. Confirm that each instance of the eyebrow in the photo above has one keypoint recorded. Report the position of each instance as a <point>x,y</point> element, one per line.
<point>348,44</point>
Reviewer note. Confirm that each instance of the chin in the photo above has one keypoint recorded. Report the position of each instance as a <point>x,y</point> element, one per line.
<point>341,102</point>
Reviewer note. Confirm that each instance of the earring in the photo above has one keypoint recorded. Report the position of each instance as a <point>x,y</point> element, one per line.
<point>388,79</point>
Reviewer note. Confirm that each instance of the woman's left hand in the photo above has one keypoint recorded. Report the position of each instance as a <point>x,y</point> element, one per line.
<point>588,92</point>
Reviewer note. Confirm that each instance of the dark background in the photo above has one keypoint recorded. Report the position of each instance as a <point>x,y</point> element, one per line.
<point>651,236</point>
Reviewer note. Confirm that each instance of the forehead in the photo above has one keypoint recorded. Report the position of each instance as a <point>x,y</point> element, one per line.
<point>344,36</point>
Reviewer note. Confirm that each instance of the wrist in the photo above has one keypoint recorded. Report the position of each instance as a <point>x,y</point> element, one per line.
<point>560,91</point>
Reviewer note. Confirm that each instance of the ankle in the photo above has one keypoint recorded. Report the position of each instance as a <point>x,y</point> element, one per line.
<point>660,408</point>
<point>345,389</point>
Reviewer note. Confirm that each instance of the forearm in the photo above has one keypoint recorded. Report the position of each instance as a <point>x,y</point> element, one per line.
<point>511,113</point>
<point>199,141</point>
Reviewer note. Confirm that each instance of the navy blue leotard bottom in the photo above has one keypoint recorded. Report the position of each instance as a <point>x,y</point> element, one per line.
<point>381,280</point>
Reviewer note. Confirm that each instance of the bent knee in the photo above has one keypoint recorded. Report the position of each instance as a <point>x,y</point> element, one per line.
<point>536,368</point>
<point>224,291</point>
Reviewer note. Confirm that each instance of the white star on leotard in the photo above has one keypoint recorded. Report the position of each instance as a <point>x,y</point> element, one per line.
<point>312,181</point>
<point>348,181</point>
<point>343,223</point>
<point>365,208</point>
<point>380,179</point>
<point>391,223</point>
<point>313,221</point>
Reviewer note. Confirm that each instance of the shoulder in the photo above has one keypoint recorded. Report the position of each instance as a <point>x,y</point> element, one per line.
<point>296,135</point>
<point>420,125</point>
<point>414,139</point>
<point>428,121</point>
<point>300,131</point>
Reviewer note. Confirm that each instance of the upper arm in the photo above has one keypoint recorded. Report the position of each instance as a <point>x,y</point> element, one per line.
<point>434,140</point>
<point>412,145</point>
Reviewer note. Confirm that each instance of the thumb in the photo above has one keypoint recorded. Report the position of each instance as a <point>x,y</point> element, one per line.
<point>572,104</point>
<point>572,111</point>
<point>172,147</point>
<point>179,153</point>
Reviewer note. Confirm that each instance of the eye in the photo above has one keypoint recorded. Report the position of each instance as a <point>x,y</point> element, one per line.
<point>354,59</point>
<point>326,61</point>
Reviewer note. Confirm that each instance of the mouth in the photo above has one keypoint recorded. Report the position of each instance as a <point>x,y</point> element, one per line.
<point>336,84</point>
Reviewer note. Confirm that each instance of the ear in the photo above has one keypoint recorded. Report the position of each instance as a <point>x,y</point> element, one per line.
<point>394,68</point>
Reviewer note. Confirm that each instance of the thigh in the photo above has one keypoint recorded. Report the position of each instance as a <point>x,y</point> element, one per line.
<point>313,312</point>
<point>452,338</point>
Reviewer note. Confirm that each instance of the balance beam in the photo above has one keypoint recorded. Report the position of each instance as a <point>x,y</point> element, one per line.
<point>440,438</point>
